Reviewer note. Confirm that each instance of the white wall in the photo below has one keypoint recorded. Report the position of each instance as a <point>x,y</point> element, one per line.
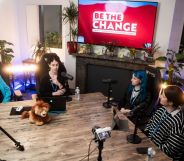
<point>14,27</point>
<point>8,25</point>
<point>177,26</point>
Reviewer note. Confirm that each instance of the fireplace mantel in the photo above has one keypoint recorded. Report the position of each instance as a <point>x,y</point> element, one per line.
<point>84,60</point>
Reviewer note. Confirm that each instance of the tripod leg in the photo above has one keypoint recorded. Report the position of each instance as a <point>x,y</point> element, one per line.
<point>17,144</point>
<point>100,147</point>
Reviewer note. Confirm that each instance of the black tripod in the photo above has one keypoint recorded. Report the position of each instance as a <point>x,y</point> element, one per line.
<point>17,144</point>
<point>109,82</point>
<point>100,148</point>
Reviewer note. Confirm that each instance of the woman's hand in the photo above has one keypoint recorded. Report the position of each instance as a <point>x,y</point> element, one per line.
<point>59,92</point>
<point>119,115</point>
<point>126,112</point>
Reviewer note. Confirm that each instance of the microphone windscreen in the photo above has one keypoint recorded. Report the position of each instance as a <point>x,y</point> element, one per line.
<point>65,75</point>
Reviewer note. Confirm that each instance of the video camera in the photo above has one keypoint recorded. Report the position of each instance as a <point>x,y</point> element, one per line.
<point>101,133</point>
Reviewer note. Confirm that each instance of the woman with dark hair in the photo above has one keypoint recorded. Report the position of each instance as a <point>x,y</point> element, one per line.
<point>52,84</point>
<point>136,100</point>
<point>166,127</point>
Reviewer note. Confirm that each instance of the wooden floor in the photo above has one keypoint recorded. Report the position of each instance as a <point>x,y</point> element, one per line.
<point>67,137</point>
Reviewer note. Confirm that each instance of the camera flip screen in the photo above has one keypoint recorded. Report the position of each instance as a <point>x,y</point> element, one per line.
<point>103,135</point>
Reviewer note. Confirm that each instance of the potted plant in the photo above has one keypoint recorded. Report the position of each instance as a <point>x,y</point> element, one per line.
<point>110,48</point>
<point>173,67</point>
<point>5,55</point>
<point>70,15</point>
<point>39,50</point>
<point>149,51</point>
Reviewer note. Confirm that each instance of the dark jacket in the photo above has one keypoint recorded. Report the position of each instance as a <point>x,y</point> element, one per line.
<point>46,87</point>
<point>139,109</point>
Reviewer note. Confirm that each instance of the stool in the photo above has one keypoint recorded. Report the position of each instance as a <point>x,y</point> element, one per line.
<point>109,82</point>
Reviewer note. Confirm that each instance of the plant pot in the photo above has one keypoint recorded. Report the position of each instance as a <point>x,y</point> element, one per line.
<point>72,47</point>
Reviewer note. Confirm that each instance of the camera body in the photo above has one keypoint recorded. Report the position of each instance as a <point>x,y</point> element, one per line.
<point>101,133</point>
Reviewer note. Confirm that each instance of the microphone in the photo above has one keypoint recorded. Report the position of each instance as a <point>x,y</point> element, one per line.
<point>67,76</point>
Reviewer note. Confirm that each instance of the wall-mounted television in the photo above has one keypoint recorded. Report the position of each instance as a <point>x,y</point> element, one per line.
<point>123,23</point>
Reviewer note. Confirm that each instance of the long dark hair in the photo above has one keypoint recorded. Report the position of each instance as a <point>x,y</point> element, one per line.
<point>175,95</point>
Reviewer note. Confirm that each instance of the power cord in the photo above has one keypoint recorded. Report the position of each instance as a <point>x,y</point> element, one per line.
<point>89,153</point>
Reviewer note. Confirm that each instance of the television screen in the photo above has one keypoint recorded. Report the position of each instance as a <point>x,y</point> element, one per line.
<point>123,23</point>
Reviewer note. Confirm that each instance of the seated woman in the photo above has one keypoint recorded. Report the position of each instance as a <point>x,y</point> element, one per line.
<point>5,93</point>
<point>136,100</point>
<point>52,84</point>
<point>166,127</point>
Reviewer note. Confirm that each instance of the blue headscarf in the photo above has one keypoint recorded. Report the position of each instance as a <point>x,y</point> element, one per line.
<point>141,74</point>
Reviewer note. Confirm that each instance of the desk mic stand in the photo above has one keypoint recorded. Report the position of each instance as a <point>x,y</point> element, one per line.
<point>17,144</point>
<point>68,98</point>
<point>134,138</point>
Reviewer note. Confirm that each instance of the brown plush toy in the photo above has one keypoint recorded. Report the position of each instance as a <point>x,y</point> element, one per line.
<point>38,113</point>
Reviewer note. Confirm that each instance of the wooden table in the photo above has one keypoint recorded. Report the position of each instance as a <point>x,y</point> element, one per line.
<point>67,137</point>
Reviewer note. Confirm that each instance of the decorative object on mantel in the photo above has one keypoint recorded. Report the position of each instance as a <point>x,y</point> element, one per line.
<point>85,48</point>
<point>99,50</point>
<point>5,56</point>
<point>70,15</point>
<point>133,52</point>
<point>110,48</point>
<point>89,48</point>
<point>123,52</point>
<point>82,49</point>
<point>150,50</point>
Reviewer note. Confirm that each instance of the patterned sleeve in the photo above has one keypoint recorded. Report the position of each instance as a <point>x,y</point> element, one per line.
<point>174,146</point>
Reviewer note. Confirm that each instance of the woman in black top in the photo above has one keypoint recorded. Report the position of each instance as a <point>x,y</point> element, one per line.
<point>52,84</point>
<point>166,127</point>
<point>136,101</point>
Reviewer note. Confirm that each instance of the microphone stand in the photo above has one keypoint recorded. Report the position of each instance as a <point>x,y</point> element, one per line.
<point>68,98</point>
<point>17,144</point>
<point>134,138</point>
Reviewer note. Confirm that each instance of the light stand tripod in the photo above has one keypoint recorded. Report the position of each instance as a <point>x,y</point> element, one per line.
<point>109,82</point>
<point>17,144</point>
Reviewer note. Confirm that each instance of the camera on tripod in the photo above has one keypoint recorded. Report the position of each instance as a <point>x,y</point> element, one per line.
<point>101,133</point>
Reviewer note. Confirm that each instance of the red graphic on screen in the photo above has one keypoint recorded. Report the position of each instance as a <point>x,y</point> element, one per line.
<point>132,27</point>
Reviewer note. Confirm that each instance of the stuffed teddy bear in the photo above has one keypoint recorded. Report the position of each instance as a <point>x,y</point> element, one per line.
<point>38,113</point>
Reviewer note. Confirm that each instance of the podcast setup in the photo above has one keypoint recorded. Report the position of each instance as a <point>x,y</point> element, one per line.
<point>81,113</point>
<point>57,134</point>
